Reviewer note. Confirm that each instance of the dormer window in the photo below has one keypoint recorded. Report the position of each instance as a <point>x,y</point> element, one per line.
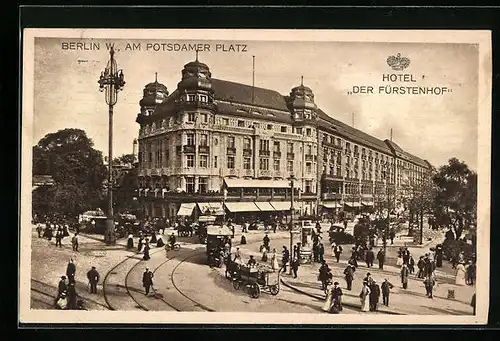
<point>203,98</point>
<point>298,131</point>
<point>191,98</point>
<point>191,117</point>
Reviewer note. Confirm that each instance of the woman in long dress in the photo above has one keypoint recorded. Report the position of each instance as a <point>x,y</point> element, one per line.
<point>130,241</point>
<point>364,296</point>
<point>274,260</point>
<point>327,306</point>
<point>399,261</point>
<point>460,279</point>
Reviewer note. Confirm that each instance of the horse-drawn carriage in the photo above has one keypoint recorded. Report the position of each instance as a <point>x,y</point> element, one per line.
<point>256,279</point>
<point>201,227</point>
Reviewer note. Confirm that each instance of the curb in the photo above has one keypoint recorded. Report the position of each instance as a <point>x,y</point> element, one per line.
<point>322,299</point>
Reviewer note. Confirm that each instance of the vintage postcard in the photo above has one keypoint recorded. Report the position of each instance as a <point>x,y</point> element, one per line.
<point>255,176</point>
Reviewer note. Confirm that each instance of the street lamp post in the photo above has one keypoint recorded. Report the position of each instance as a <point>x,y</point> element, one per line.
<point>111,81</point>
<point>292,209</point>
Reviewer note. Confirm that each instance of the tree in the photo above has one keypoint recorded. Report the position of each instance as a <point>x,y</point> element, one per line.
<point>455,201</point>
<point>125,159</point>
<point>77,169</point>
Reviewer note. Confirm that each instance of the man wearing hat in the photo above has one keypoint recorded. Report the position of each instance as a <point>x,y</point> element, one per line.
<point>251,261</point>
<point>147,280</point>
<point>349,275</point>
<point>386,290</point>
<point>337,298</point>
<point>61,288</point>
<point>93,277</point>
<point>374,294</point>
<point>71,271</point>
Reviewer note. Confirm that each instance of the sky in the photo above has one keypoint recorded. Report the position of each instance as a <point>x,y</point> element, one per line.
<point>432,127</point>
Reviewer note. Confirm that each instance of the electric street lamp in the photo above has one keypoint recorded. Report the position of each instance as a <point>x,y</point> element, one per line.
<point>111,81</point>
<point>292,209</point>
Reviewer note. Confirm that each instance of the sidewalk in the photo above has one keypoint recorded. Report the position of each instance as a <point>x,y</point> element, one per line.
<point>406,302</point>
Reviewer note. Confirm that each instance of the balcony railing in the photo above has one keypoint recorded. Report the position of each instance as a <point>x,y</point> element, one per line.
<point>309,157</point>
<point>204,149</point>
<point>248,172</point>
<point>189,148</point>
<point>332,145</point>
<point>247,152</point>
<point>276,155</point>
<point>231,150</point>
<point>264,173</point>
<point>193,105</point>
<point>231,171</point>
<point>264,152</point>
<point>290,156</point>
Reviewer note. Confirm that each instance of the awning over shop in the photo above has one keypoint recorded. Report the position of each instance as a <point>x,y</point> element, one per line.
<point>186,209</point>
<point>281,205</point>
<point>241,207</point>
<point>214,208</point>
<point>249,183</point>
<point>353,204</point>
<point>264,206</point>
<point>332,205</point>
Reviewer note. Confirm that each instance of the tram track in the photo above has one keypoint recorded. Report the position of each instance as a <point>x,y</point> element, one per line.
<point>114,271</point>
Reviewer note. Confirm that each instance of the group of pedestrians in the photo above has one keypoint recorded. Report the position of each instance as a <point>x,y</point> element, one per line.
<point>144,243</point>
<point>67,297</point>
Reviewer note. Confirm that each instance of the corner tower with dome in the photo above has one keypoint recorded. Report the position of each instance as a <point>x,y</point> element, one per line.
<point>211,136</point>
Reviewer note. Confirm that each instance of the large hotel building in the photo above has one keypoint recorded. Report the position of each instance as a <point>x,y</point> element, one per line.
<point>214,143</point>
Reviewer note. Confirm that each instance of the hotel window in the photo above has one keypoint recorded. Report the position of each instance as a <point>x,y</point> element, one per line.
<point>230,162</point>
<point>269,127</point>
<point>203,98</point>
<point>191,98</point>
<point>277,165</point>
<point>202,185</point>
<point>190,184</point>
<point>289,166</point>
<point>308,131</point>
<point>190,117</point>
<point>225,121</point>
<point>283,129</point>
<point>247,162</point>
<point>308,167</point>
<point>241,123</point>
<point>356,175</point>
<point>308,186</point>
<point>332,170</point>
<point>203,161</point>
<point>264,144</point>
<point>339,171</point>
<point>298,131</point>
<point>289,147</point>
<point>190,160</point>
<point>348,146</point>
<point>167,158</point>
<point>264,164</point>
<point>256,124</point>
<point>348,173</point>
<point>190,139</point>
<point>203,140</point>
<point>355,149</point>
<point>309,149</point>
<point>230,142</point>
<point>215,162</point>
<point>247,143</point>
<point>276,146</point>
<point>204,118</point>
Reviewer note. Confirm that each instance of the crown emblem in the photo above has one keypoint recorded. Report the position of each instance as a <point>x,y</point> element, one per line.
<point>398,63</point>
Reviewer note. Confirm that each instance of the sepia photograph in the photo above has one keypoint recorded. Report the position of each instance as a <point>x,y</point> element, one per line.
<point>236,176</point>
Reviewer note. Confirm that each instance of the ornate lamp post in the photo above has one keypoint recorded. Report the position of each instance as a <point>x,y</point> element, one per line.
<point>111,81</point>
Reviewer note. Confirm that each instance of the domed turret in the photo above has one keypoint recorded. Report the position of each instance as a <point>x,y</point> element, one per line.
<point>196,76</point>
<point>154,93</point>
<point>301,102</point>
